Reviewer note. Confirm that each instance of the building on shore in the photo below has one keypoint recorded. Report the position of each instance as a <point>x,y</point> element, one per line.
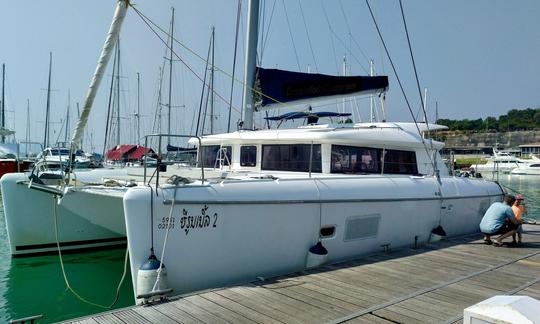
<point>528,149</point>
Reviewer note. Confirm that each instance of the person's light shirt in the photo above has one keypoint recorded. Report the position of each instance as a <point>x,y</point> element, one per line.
<point>495,217</point>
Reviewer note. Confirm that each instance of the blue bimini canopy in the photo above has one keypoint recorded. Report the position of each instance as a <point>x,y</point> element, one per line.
<point>312,117</point>
<point>280,87</point>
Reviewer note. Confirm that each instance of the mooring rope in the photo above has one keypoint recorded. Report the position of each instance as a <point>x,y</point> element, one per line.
<point>68,285</point>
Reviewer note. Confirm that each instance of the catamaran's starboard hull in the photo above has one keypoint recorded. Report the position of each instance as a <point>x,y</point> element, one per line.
<point>30,220</point>
<point>236,231</point>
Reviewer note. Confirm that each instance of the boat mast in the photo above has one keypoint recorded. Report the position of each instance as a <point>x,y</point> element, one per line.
<point>48,108</point>
<point>251,63</point>
<point>234,63</point>
<point>27,124</point>
<point>212,83</point>
<point>118,94</point>
<point>114,30</point>
<point>67,117</point>
<point>371,98</point>
<point>138,116</point>
<point>170,76</point>
<point>3,100</point>
<point>108,122</point>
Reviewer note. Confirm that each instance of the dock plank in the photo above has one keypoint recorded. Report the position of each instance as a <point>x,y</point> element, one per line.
<point>430,284</point>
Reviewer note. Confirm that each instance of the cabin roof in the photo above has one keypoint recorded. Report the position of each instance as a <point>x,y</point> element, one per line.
<point>383,134</point>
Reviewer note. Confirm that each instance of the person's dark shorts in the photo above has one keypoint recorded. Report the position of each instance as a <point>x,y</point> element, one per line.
<point>505,228</point>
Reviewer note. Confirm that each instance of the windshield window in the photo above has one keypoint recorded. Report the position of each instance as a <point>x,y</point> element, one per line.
<point>56,152</point>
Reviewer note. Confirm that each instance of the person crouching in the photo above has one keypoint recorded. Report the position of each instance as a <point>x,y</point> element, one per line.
<point>499,219</point>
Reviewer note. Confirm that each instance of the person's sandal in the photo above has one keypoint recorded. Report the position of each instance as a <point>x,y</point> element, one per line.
<point>497,243</point>
<point>488,242</point>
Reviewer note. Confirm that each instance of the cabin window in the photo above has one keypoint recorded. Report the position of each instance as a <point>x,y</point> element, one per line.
<point>291,157</point>
<point>400,162</point>
<point>353,159</point>
<point>56,152</point>
<point>211,154</point>
<point>248,156</point>
<point>535,166</point>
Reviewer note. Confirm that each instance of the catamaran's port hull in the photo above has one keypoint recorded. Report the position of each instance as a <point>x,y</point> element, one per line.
<point>232,232</point>
<point>30,219</point>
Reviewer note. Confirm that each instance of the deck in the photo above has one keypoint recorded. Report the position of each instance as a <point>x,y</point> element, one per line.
<point>431,284</point>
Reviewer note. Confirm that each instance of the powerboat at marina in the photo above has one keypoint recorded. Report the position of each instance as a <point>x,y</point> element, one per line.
<point>533,168</point>
<point>500,162</point>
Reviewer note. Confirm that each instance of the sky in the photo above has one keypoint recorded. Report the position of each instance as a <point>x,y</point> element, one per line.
<point>476,58</point>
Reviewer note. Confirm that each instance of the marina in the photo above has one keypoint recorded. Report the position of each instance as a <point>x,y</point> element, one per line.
<point>272,202</point>
<point>427,284</point>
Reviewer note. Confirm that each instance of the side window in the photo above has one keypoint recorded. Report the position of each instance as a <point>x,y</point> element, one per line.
<point>211,154</point>
<point>248,156</point>
<point>352,159</point>
<point>400,162</point>
<point>293,157</point>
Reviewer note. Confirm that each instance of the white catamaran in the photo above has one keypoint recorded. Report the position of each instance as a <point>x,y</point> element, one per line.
<point>287,198</point>
<point>269,202</point>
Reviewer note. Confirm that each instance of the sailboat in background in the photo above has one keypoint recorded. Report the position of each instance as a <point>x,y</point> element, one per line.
<point>10,157</point>
<point>37,220</point>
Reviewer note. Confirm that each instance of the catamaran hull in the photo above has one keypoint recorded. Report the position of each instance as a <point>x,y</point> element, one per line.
<point>233,232</point>
<point>30,219</point>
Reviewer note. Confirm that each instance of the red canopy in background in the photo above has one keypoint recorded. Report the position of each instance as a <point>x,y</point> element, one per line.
<point>139,152</point>
<point>127,152</point>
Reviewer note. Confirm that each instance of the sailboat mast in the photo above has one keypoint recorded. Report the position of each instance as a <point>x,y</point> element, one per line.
<point>108,122</point>
<point>3,99</point>
<point>212,82</point>
<point>27,124</point>
<point>371,98</point>
<point>112,36</point>
<point>251,63</point>
<point>118,95</point>
<point>138,110</point>
<point>67,117</point>
<point>48,108</point>
<point>234,63</point>
<point>170,76</point>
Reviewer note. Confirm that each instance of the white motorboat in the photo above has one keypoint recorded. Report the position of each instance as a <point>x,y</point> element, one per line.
<point>500,162</point>
<point>532,168</point>
<point>287,200</point>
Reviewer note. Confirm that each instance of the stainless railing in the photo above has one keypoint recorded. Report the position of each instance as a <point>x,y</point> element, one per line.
<point>159,154</point>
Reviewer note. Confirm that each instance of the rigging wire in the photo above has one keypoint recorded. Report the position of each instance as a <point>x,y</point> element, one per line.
<point>350,31</point>
<point>149,22</point>
<point>308,38</point>
<point>414,67</point>
<point>290,34</point>
<point>265,38</point>
<point>342,43</point>
<point>331,37</point>
<point>400,84</point>
<point>177,56</point>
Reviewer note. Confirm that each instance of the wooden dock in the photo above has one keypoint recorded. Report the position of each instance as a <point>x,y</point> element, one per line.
<point>431,284</point>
